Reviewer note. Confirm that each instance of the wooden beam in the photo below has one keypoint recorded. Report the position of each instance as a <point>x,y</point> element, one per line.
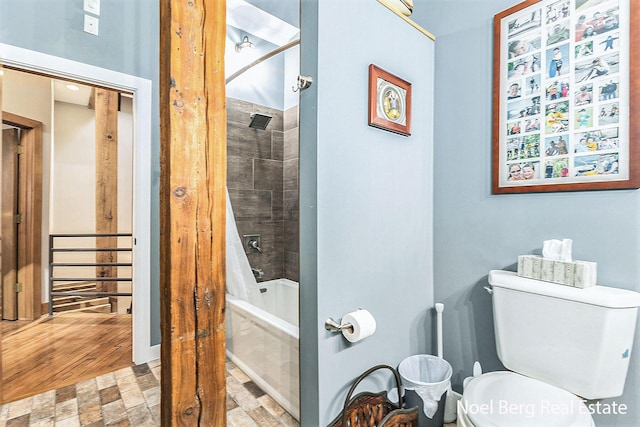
<point>192,212</point>
<point>106,114</point>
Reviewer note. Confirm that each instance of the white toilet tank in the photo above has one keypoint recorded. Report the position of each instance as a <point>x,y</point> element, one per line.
<point>577,339</point>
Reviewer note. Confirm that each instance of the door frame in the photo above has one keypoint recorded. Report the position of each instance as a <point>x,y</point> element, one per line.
<point>39,63</point>
<point>29,236</point>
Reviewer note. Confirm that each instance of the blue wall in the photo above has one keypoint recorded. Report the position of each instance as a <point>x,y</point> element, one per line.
<point>366,199</point>
<point>127,42</point>
<point>475,231</point>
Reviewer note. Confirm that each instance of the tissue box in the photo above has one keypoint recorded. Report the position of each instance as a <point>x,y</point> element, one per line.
<point>581,274</point>
<point>585,275</point>
<point>530,266</point>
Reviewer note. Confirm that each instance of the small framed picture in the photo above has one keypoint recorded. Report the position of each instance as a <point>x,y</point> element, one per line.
<point>389,101</point>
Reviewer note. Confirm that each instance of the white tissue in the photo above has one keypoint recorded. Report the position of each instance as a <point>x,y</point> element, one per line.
<point>363,324</point>
<point>559,250</point>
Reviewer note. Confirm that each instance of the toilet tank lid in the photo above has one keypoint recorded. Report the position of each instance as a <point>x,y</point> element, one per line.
<point>603,296</point>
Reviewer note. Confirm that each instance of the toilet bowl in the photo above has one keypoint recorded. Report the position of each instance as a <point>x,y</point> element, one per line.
<point>508,399</point>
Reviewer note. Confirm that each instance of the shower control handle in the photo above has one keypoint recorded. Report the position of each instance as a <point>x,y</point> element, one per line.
<point>255,245</point>
<point>251,243</point>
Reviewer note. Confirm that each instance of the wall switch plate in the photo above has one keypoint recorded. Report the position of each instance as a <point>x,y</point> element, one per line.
<point>92,6</point>
<point>91,24</point>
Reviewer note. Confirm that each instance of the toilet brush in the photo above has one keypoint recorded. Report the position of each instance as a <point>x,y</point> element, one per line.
<point>450,402</point>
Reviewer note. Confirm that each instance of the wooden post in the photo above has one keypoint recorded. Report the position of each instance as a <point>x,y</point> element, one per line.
<point>106,114</point>
<point>192,212</point>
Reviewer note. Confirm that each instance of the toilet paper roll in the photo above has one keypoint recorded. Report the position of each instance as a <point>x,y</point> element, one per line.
<point>363,324</point>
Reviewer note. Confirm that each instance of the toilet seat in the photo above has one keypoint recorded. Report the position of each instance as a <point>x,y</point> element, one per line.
<point>507,399</point>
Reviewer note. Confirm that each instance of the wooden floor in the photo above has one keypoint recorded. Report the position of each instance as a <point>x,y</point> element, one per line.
<point>51,353</point>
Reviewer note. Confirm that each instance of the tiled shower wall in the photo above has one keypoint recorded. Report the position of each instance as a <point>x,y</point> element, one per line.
<point>262,177</point>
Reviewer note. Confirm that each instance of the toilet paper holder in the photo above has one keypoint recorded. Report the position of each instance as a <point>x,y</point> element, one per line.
<point>331,325</point>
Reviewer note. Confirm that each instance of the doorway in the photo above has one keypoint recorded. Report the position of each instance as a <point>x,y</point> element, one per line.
<point>139,92</point>
<point>88,170</point>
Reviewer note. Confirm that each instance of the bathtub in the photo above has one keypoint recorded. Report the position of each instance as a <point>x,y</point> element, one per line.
<point>264,343</point>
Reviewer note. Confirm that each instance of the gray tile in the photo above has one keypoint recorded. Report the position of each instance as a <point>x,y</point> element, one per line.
<point>290,118</point>
<point>292,266</point>
<point>239,111</point>
<point>248,143</point>
<point>271,260</point>
<point>90,413</point>
<point>239,418</point>
<point>66,409</point>
<point>114,411</point>
<point>251,204</point>
<point>155,412</point>
<point>277,145</point>
<point>277,205</point>
<point>291,144</point>
<point>267,174</point>
<point>291,236</point>
<point>46,422</point>
<point>254,389</point>
<point>263,418</point>
<point>231,404</point>
<point>247,404</point>
<point>276,116</point>
<point>109,394</point>
<point>290,175</point>
<point>43,412</point>
<point>65,393</point>
<point>140,416</point>
<point>147,381</point>
<point>239,173</point>
<point>288,421</point>
<point>291,206</point>
<point>140,370</point>
<point>152,396</point>
<point>21,421</point>
<point>20,407</point>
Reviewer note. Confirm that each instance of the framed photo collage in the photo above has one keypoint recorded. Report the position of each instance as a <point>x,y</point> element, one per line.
<point>561,114</point>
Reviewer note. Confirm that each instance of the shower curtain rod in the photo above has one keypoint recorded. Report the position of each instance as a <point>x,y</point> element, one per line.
<point>262,58</point>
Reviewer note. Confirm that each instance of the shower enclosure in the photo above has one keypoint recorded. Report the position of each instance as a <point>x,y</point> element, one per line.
<point>262,183</point>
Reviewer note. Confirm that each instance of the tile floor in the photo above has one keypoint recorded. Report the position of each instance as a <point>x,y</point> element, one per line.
<point>131,397</point>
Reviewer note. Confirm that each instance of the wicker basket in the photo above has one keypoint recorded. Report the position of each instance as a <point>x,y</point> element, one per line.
<point>368,409</point>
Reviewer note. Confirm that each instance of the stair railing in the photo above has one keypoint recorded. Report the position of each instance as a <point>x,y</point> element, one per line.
<point>53,265</point>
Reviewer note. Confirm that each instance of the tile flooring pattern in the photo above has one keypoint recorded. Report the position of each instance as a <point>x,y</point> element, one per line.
<point>131,397</point>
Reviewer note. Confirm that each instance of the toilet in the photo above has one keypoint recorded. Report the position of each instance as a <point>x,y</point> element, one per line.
<point>562,346</point>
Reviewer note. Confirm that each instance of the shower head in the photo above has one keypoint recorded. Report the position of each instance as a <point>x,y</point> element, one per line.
<point>259,121</point>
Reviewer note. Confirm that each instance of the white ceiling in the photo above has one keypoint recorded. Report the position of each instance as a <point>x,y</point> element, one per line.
<point>62,93</point>
<point>263,25</point>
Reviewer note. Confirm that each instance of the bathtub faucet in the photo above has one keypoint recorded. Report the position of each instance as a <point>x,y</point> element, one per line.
<point>257,272</point>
